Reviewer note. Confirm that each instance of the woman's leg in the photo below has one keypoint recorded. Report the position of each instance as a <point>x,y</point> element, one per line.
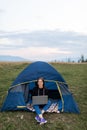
<point>38,112</point>
<point>39,116</point>
<point>46,106</point>
<point>37,109</point>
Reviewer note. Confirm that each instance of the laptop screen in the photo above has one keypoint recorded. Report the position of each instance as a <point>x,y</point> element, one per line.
<point>39,100</point>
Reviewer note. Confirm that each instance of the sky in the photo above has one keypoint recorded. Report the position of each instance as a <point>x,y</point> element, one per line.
<point>43,29</point>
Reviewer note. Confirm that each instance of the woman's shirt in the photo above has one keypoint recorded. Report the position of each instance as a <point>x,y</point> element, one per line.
<point>39,91</point>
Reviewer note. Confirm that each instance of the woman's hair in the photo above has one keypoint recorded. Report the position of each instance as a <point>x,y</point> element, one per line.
<point>38,80</point>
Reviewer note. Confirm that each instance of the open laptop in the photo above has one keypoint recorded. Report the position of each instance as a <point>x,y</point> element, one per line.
<point>39,100</point>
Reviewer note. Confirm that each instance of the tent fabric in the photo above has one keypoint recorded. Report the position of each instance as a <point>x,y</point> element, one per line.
<point>36,70</point>
<point>13,100</point>
<point>20,92</point>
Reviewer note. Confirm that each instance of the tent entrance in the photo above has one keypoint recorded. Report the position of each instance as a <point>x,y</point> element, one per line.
<point>26,89</point>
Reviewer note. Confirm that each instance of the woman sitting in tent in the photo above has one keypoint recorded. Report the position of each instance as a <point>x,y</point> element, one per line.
<point>38,91</point>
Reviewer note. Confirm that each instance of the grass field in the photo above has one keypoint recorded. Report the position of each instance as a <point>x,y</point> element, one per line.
<point>74,74</point>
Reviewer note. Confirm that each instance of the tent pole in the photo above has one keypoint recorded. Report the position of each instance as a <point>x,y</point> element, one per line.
<point>61,96</point>
<point>21,106</point>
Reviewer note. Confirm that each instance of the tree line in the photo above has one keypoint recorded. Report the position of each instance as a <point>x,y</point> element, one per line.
<point>82,59</point>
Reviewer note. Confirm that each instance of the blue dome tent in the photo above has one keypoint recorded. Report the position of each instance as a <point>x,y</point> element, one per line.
<point>20,91</point>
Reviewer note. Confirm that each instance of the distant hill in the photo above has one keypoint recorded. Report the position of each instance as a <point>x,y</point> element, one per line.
<point>11,58</point>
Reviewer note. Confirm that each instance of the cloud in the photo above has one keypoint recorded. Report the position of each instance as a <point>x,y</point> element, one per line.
<point>8,42</point>
<point>46,38</point>
<point>45,44</point>
<point>1,10</point>
<point>36,53</point>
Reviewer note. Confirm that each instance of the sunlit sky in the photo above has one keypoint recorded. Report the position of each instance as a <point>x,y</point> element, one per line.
<point>43,29</point>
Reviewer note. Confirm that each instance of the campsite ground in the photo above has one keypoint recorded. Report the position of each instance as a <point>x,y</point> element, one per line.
<point>76,77</point>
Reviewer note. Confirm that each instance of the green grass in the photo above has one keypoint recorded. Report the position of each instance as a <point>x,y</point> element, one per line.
<point>74,74</point>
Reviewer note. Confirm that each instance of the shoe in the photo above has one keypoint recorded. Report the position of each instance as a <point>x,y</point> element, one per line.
<point>42,121</point>
<point>37,118</point>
